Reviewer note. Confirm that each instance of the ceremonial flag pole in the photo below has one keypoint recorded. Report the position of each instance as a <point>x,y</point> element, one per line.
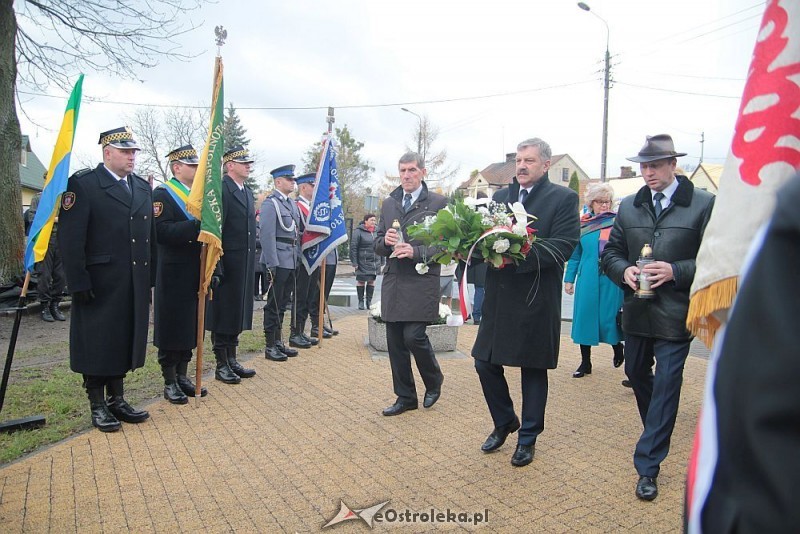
<point>325,228</point>
<point>763,157</point>
<point>205,203</point>
<point>55,184</point>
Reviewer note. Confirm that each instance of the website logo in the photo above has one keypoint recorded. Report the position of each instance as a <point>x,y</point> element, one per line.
<point>347,514</point>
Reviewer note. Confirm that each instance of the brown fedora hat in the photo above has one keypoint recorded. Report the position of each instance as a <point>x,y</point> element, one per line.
<point>656,147</point>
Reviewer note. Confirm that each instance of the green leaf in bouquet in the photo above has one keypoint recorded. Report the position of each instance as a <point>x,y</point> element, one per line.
<point>514,248</point>
<point>455,241</point>
<point>496,260</point>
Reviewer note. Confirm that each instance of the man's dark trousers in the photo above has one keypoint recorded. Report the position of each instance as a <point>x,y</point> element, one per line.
<point>403,339</point>
<point>302,290</point>
<point>657,397</point>
<point>501,407</point>
<point>282,284</point>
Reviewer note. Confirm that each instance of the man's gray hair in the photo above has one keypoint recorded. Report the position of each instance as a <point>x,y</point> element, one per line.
<point>412,157</point>
<point>542,146</point>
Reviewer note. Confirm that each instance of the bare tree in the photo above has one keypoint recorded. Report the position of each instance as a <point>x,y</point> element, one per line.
<point>50,41</point>
<point>160,131</point>
<point>440,175</point>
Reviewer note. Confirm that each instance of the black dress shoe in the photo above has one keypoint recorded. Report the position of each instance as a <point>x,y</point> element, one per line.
<point>431,396</point>
<point>126,413</point>
<point>103,419</point>
<point>237,368</point>
<point>499,435</point>
<point>582,370</point>
<point>56,312</point>
<point>188,387</point>
<point>325,333</point>
<point>331,331</point>
<point>286,350</point>
<point>299,341</point>
<point>627,383</point>
<point>313,340</point>
<point>274,354</point>
<point>646,488</point>
<point>522,456</point>
<point>399,407</point>
<point>225,374</point>
<point>174,394</point>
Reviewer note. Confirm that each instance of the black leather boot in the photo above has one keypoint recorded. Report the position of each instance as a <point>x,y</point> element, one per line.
<point>120,407</point>
<point>297,339</point>
<point>281,346</point>
<point>186,385</point>
<point>271,352</point>
<point>56,312</point>
<point>224,373</point>
<point>370,292</point>
<point>102,418</point>
<point>172,391</point>
<point>586,362</point>
<point>326,334</point>
<point>360,292</point>
<point>47,315</point>
<point>236,367</point>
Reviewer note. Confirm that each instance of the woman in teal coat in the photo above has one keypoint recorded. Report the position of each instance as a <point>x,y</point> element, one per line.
<point>597,299</point>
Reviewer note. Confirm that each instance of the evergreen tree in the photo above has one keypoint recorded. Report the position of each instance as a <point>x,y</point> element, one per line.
<point>354,171</point>
<point>235,134</point>
<point>574,183</point>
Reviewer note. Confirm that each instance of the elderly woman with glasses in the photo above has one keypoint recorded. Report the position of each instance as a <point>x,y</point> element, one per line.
<point>597,299</point>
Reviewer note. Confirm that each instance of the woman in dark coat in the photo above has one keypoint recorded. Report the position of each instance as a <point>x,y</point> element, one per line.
<point>366,263</point>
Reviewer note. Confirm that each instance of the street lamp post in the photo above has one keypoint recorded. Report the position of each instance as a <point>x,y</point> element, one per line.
<point>606,79</point>
<point>419,133</point>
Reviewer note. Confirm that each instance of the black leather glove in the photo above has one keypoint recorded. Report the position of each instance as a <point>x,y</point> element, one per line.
<point>83,297</point>
<point>216,281</point>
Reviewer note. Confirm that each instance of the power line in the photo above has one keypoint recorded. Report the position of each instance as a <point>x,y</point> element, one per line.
<point>325,107</point>
<point>676,91</point>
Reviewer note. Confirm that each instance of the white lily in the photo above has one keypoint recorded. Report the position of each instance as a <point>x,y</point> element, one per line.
<point>501,245</point>
<point>520,214</point>
<point>422,268</point>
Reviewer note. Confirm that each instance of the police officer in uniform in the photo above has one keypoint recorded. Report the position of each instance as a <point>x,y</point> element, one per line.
<point>305,281</point>
<point>177,276</point>
<point>107,241</point>
<point>230,311</point>
<point>280,248</point>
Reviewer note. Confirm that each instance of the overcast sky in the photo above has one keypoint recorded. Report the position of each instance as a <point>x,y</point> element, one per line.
<point>488,74</point>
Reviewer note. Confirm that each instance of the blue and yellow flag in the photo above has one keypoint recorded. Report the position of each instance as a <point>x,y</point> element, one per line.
<point>55,183</point>
<point>205,198</point>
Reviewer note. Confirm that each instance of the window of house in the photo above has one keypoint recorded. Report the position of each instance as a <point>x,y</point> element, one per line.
<point>565,175</point>
<point>23,158</point>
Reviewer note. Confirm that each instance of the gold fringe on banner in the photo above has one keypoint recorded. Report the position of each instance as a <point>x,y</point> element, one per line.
<point>718,296</point>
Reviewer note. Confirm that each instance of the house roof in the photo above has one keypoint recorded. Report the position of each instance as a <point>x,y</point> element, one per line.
<point>502,173</point>
<point>31,175</point>
<point>712,170</point>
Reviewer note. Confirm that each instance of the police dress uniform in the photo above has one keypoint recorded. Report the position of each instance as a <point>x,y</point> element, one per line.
<point>230,311</point>
<point>305,280</point>
<point>107,240</point>
<point>280,246</point>
<point>177,281</point>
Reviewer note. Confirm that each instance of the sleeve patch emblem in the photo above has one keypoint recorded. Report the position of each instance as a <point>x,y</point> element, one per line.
<point>67,200</point>
<point>158,208</point>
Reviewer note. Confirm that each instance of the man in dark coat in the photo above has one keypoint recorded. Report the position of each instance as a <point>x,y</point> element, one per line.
<point>670,215</point>
<point>177,276</point>
<point>107,241</point>
<point>521,321</point>
<point>755,391</point>
<point>409,298</point>
<point>280,249</point>
<point>230,311</point>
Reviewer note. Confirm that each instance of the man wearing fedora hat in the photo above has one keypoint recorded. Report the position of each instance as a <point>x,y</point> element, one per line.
<point>107,239</point>
<point>670,215</point>
<point>177,276</point>
<point>280,249</point>
<point>230,311</point>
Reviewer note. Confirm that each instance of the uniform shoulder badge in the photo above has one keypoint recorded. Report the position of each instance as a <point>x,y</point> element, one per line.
<point>158,208</point>
<point>82,172</point>
<point>67,200</point>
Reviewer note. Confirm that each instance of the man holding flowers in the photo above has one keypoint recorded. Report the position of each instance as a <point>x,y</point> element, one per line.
<point>410,289</point>
<point>521,319</point>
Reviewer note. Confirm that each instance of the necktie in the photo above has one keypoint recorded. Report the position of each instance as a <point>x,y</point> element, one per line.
<point>125,185</point>
<point>407,202</point>
<point>523,194</point>
<point>657,197</point>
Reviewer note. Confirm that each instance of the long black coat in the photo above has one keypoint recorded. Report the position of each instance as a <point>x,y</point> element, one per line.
<point>405,294</point>
<point>521,320</point>
<point>107,240</point>
<point>362,252</point>
<point>177,275</point>
<point>231,309</point>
